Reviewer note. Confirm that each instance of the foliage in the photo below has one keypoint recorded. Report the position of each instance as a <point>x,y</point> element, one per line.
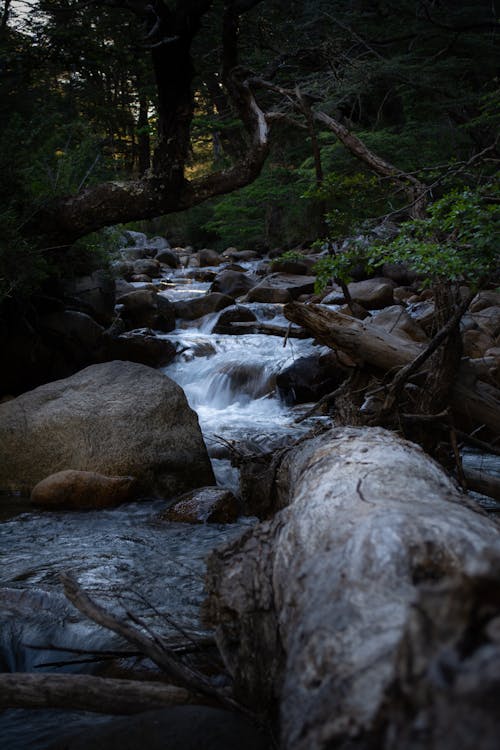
<point>455,242</point>
<point>23,267</point>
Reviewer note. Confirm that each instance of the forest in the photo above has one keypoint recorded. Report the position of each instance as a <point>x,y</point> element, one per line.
<point>250,380</point>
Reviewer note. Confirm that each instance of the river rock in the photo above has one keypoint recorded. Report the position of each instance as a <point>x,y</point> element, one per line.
<point>240,255</point>
<point>123,287</point>
<point>147,267</point>
<point>311,609</point>
<point>139,346</point>
<point>475,343</point>
<point>281,288</point>
<point>122,268</point>
<point>400,273</point>
<point>488,320</point>
<point>486,298</point>
<point>196,307</point>
<point>396,320</point>
<point>373,294</point>
<point>233,314</point>
<point>310,378</point>
<point>177,728</point>
<point>205,505</point>
<point>82,490</point>
<point>209,257</point>
<point>294,267</point>
<point>94,295</point>
<point>232,283</point>
<point>144,308</point>
<point>202,274</point>
<point>168,258</point>
<point>117,418</point>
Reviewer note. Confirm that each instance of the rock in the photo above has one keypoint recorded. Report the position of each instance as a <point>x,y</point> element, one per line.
<point>209,258</point>
<point>400,273</point>
<point>311,609</point>
<point>168,258</point>
<point>294,267</point>
<point>77,332</point>
<point>177,728</point>
<point>233,283</point>
<point>402,294</point>
<point>123,287</point>
<point>122,268</point>
<point>82,490</point>
<point>196,307</point>
<point>138,346</point>
<point>265,293</point>
<point>476,343</point>
<point>240,255</point>
<point>335,296</point>
<point>310,378</point>
<point>396,320</point>
<point>488,320</point>
<point>147,267</point>
<point>486,298</point>
<point>133,253</point>
<point>423,313</point>
<point>117,418</point>
<point>233,314</point>
<point>205,505</point>
<point>141,278</point>
<point>373,294</point>
<point>95,295</point>
<point>201,274</point>
<point>144,308</point>
<point>281,288</point>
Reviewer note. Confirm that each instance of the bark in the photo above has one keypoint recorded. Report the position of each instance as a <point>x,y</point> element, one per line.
<point>473,399</point>
<point>311,608</point>
<point>87,693</point>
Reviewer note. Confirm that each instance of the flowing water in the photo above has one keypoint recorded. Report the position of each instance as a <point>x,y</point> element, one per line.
<point>126,557</point>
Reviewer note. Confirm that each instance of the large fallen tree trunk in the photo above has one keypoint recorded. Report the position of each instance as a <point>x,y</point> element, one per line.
<point>311,608</point>
<point>366,343</point>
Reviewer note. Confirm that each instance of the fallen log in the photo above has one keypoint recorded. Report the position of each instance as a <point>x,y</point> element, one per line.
<point>81,692</point>
<point>486,484</point>
<point>268,328</point>
<point>366,343</point>
<point>311,608</point>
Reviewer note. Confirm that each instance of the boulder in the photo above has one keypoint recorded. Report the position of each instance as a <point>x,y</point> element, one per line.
<point>123,287</point>
<point>396,320</point>
<point>488,320</point>
<point>144,308</point>
<point>122,268</point>
<point>233,314</point>
<point>117,418</point>
<point>486,298</point>
<point>233,283</point>
<point>210,258</point>
<point>168,258</point>
<point>476,343</point>
<point>373,294</point>
<point>400,273</point>
<point>94,295</point>
<point>141,278</point>
<point>240,255</point>
<point>139,346</point>
<point>267,293</point>
<point>75,330</point>
<point>148,267</point>
<point>82,490</point>
<point>281,288</point>
<point>205,505</point>
<point>310,378</point>
<point>196,307</point>
<point>312,608</point>
<point>300,267</point>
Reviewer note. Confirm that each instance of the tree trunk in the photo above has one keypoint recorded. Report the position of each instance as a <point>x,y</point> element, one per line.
<point>311,608</point>
<point>477,401</point>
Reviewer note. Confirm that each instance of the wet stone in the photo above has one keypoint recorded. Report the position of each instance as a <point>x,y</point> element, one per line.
<point>204,505</point>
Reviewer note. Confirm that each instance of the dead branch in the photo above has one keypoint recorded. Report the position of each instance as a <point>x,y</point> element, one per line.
<point>83,692</point>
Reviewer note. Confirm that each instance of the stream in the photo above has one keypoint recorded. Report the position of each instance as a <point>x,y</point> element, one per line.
<point>126,557</point>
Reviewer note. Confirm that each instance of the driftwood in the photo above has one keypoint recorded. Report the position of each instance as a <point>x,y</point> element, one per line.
<point>365,343</point>
<point>312,608</point>
<point>81,692</point>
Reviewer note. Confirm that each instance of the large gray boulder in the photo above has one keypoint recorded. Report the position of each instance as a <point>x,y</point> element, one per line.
<point>116,418</point>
